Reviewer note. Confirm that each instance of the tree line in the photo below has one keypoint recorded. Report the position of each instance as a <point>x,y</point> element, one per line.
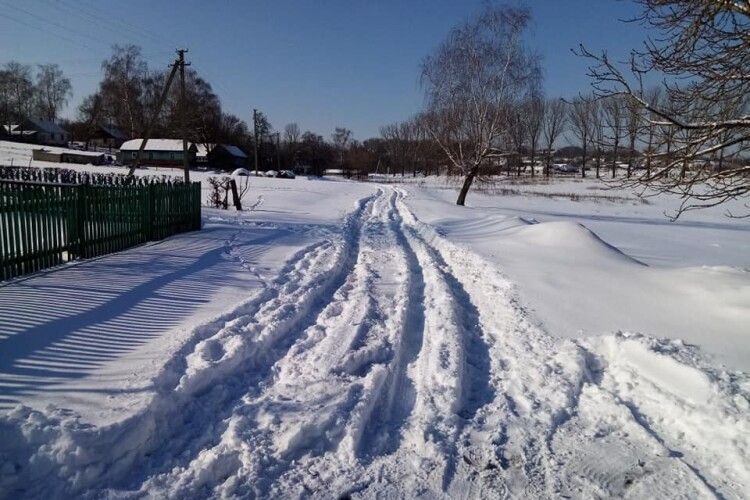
<point>689,136</point>
<point>484,112</point>
<point>27,92</point>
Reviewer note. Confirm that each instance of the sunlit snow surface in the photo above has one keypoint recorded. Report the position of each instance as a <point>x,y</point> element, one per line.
<point>371,339</point>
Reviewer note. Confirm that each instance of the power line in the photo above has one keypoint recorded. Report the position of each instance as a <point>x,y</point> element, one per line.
<point>96,22</point>
<point>109,20</point>
<point>51,23</point>
<point>153,34</point>
<point>45,30</point>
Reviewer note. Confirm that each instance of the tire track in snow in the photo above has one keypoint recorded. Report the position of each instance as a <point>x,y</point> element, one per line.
<point>238,348</point>
<point>302,409</point>
<point>543,384</point>
<point>393,398</point>
<point>461,355</point>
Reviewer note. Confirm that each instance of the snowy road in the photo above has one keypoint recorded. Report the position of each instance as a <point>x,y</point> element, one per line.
<point>385,360</point>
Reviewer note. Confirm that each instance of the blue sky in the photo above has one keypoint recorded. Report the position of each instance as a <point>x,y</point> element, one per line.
<point>322,63</point>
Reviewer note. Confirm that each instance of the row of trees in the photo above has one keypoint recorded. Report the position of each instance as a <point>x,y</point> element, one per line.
<point>481,87</point>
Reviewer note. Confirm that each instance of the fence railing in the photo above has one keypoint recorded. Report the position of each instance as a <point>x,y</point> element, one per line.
<point>44,224</point>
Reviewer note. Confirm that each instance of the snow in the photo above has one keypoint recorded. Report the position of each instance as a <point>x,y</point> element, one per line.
<point>375,340</point>
<point>598,267</point>
<point>153,145</point>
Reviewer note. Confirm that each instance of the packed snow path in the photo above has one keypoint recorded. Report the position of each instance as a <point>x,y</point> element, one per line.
<point>386,361</point>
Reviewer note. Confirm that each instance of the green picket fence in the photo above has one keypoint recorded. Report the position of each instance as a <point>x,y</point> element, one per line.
<point>46,224</point>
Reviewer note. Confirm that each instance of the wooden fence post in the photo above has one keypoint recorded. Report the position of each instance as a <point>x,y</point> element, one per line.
<point>237,201</point>
<point>150,211</point>
<point>80,222</point>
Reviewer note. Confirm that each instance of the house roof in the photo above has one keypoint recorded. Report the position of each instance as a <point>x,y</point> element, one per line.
<point>234,151</point>
<point>15,129</point>
<point>229,148</point>
<point>47,126</point>
<point>155,145</point>
<point>114,132</point>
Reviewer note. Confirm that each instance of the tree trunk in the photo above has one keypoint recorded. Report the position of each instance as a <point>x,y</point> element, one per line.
<point>467,184</point>
<point>614,159</point>
<point>631,156</point>
<point>533,160</point>
<point>598,162</point>
<point>583,163</point>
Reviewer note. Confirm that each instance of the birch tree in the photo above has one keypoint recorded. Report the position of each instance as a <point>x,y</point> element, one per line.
<point>555,116</point>
<point>471,82</point>
<point>581,122</point>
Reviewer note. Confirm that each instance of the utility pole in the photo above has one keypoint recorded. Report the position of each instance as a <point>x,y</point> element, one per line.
<point>183,118</point>
<point>154,117</point>
<point>255,141</point>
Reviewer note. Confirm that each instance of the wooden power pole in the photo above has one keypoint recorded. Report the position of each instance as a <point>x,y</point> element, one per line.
<point>154,117</point>
<point>255,139</point>
<point>183,114</point>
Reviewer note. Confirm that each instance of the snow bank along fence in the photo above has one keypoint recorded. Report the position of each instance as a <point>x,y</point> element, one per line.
<point>45,222</point>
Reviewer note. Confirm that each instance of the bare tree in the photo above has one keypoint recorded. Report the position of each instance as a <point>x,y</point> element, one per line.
<point>534,109</point>
<point>581,124</point>
<point>633,128</point>
<point>555,117</point>
<point>614,114</point>
<point>341,139</point>
<point>516,132</point>
<point>654,96</point>
<point>703,51</point>
<point>471,82</point>
<point>395,145</point>
<point>292,133</point>
<point>52,91</point>
<point>597,128</point>
<point>20,92</point>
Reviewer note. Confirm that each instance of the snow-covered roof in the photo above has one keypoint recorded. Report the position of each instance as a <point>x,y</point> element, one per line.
<point>202,150</point>
<point>154,145</point>
<point>15,129</point>
<point>232,150</point>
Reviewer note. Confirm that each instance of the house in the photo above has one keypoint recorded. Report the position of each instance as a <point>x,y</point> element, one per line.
<point>220,156</point>
<point>107,137</point>
<point>227,157</point>
<point>39,131</point>
<point>161,152</point>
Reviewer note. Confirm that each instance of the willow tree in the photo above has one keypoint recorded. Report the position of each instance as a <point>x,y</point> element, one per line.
<point>473,82</point>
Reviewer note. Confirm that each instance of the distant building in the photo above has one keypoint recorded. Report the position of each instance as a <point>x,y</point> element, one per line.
<point>107,137</point>
<point>37,131</point>
<point>59,155</point>
<point>220,156</point>
<point>160,152</point>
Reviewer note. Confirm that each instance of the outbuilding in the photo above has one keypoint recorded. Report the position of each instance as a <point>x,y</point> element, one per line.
<point>107,137</point>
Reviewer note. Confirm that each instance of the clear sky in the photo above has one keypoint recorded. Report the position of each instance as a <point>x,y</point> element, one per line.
<point>321,63</point>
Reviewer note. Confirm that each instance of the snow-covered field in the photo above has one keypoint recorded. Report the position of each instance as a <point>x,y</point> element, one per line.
<point>370,339</point>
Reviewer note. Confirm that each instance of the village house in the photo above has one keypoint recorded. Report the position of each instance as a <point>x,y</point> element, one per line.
<point>221,156</point>
<point>107,137</point>
<point>37,131</point>
<point>160,152</point>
